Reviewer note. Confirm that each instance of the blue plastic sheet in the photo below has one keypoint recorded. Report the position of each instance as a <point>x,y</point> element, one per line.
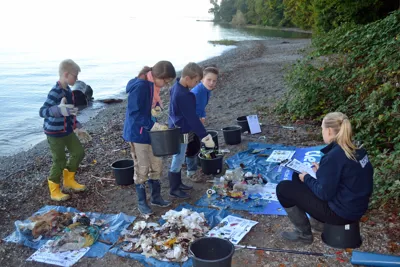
<point>213,217</point>
<point>272,172</point>
<point>115,223</point>
<point>250,205</point>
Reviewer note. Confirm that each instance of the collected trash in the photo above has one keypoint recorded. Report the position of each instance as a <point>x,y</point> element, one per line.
<point>167,242</point>
<point>237,184</point>
<point>49,224</point>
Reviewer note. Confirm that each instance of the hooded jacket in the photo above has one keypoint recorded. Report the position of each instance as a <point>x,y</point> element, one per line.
<point>138,120</point>
<point>182,111</point>
<point>344,183</point>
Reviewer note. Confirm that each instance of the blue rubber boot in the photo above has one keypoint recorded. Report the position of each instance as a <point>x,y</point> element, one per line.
<point>142,203</point>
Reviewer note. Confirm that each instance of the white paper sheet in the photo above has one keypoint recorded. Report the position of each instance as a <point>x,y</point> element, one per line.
<point>269,192</point>
<point>232,228</point>
<point>299,167</point>
<point>68,258</point>
<point>254,124</point>
<point>280,155</point>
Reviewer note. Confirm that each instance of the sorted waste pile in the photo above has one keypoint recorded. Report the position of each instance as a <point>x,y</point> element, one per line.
<point>237,184</point>
<point>169,241</point>
<point>72,231</point>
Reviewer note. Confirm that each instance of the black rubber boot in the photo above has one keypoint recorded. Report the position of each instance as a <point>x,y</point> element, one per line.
<point>316,225</point>
<point>156,198</point>
<point>181,185</point>
<point>142,203</point>
<point>302,232</point>
<point>174,184</point>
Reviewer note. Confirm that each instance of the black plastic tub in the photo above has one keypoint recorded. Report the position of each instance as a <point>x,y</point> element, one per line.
<point>211,166</point>
<point>211,252</point>
<point>166,142</point>
<point>242,122</point>
<point>232,135</point>
<point>123,171</point>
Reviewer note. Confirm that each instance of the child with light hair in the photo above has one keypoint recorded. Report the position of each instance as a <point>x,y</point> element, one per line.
<point>60,122</point>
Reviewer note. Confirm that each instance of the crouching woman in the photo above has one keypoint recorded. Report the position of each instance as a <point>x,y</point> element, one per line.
<point>341,192</point>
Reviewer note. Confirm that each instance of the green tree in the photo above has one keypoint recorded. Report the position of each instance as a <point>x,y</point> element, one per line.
<point>300,12</point>
<point>227,10</point>
<point>215,10</point>
<point>330,14</point>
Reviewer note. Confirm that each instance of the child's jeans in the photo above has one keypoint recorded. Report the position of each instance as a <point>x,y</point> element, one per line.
<point>179,159</point>
<point>57,148</point>
<point>145,164</point>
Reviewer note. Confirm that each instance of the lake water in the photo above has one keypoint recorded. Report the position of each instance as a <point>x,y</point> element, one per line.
<point>109,52</point>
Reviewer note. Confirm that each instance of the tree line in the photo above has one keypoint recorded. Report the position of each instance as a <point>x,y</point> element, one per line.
<point>316,15</point>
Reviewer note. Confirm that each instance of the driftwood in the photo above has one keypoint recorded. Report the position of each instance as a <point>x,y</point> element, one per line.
<point>110,100</point>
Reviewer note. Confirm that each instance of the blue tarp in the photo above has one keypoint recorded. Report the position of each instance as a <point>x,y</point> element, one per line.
<point>213,217</point>
<point>271,172</point>
<point>115,224</point>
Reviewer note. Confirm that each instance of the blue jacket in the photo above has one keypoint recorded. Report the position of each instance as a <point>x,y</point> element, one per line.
<point>182,111</point>
<point>138,111</point>
<point>57,126</point>
<point>202,96</point>
<point>344,183</point>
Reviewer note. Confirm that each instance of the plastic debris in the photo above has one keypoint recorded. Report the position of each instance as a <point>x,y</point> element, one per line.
<point>167,242</point>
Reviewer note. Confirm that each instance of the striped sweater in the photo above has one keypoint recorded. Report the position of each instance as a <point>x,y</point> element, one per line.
<point>57,126</point>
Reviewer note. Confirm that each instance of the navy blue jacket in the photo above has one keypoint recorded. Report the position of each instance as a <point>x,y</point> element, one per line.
<point>138,111</point>
<point>202,96</point>
<point>182,111</point>
<point>57,126</point>
<point>344,183</point>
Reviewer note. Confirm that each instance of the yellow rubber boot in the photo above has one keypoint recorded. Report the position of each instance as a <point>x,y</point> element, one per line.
<point>70,183</point>
<point>55,192</point>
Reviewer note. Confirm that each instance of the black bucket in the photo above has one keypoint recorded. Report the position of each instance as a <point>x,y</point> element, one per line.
<point>232,135</point>
<point>211,166</point>
<point>242,122</point>
<point>123,171</point>
<point>211,252</point>
<point>214,135</point>
<point>166,142</point>
<point>342,236</point>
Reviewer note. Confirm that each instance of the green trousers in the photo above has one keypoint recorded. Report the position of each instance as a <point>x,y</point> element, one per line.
<point>57,148</point>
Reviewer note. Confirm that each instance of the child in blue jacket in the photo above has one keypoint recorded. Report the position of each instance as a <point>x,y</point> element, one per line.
<point>341,192</point>
<point>182,113</point>
<point>202,91</point>
<point>138,122</point>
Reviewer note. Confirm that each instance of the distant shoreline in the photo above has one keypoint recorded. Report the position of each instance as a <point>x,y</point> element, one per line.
<point>250,26</point>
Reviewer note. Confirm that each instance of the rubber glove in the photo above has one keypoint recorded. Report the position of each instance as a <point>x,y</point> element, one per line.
<point>64,109</point>
<point>83,135</point>
<point>159,127</point>
<point>155,112</point>
<point>208,141</point>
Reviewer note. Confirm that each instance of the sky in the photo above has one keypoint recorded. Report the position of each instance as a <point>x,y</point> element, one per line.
<point>22,11</point>
<point>29,22</point>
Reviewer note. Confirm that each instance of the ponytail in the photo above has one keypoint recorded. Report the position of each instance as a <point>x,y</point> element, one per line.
<point>144,72</point>
<point>341,125</point>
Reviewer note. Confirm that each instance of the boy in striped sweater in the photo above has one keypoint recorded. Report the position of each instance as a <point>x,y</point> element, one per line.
<point>60,122</point>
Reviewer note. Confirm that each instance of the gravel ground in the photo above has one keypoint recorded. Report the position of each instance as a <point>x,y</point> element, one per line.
<point>251,81</point>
